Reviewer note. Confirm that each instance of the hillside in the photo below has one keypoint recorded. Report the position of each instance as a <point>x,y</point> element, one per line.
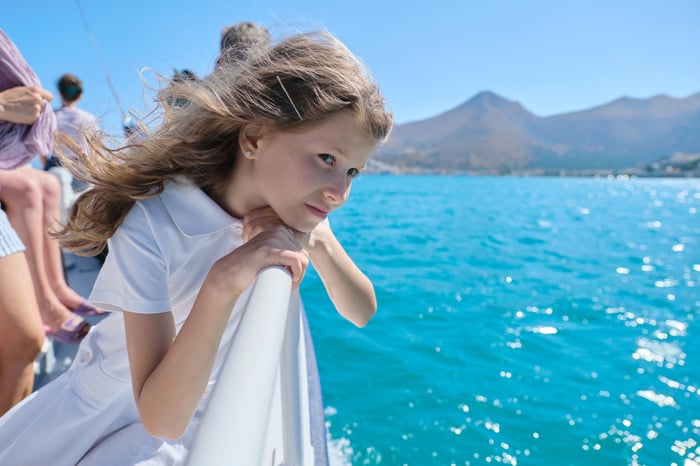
<point>489,133</point>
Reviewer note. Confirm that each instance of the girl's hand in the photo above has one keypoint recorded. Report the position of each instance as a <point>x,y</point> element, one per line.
<point>266,243</point>
<point>265,218</point>
<point>22,104</point>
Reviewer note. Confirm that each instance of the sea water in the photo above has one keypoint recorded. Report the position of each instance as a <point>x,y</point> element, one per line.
<point>521,321</point>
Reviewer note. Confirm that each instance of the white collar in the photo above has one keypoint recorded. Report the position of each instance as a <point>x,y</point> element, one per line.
<point>193,211</point>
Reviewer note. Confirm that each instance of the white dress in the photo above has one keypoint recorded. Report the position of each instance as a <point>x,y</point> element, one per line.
<point>158,260</point>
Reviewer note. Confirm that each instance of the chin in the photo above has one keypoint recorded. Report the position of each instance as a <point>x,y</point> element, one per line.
<point>306,228</point>
<point>303,225</point>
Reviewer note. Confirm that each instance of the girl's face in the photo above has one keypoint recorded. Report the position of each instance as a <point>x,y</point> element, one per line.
<point>306,175</point>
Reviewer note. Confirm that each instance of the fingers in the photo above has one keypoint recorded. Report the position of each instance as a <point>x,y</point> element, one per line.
<point>37,94</point>
<point>303,238</point>
<point>259,220</point>
<point>281,248</point>
<point>268,242</point>
<point>46,95</point>
<point>297,264</point>
<point>234,272</point>
<point>263,219</point>
<point>251,230</point>
<point>262,212</point>
<point>22,104</point>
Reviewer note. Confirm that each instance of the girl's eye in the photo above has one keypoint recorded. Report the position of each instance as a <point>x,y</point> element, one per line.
<point>330,160</point>
<point>327,158</point>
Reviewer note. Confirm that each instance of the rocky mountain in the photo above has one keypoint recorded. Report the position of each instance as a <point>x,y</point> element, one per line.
<point>489,133</point>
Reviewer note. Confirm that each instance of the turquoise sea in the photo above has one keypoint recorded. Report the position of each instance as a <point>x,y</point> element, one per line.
<point>522,321</point>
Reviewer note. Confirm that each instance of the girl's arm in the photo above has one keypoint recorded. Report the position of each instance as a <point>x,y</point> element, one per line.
<point>170,372</point>
<point>350,290</point>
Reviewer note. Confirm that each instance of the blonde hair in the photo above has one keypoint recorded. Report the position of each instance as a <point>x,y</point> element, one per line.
<point>295,84</point>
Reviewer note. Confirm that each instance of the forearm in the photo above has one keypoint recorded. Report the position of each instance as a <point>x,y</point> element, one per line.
<point>170,395</point>
<point>350,290</point>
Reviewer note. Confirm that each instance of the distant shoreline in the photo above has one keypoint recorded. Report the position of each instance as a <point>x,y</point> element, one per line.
<point>672,167</point>
<point>539,173</point>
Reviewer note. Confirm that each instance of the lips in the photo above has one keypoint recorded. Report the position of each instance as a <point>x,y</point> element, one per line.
<point>320,213</point>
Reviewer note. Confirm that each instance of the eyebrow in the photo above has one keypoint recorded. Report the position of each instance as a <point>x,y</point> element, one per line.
<point>339,151</point>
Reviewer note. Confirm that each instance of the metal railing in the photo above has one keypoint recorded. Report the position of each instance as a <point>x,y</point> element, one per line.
<point>258,411</point>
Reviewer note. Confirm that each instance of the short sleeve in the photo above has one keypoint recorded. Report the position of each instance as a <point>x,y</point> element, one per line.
<point>134,276</point>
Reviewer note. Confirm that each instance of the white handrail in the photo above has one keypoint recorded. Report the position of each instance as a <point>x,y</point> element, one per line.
<point>295,432</point>
<point>233,429</point>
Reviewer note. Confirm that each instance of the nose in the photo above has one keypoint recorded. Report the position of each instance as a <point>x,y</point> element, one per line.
<point>338,189</point>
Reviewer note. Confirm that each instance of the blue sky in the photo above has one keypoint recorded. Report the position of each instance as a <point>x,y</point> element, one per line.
<point>551,56</point>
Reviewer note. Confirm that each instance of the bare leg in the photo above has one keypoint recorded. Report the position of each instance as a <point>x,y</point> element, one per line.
<point>51,198</point>
<point>22,197</point>
<point>21,331</point>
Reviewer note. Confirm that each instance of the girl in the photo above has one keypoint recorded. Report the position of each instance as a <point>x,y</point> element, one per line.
<point>238,178</point>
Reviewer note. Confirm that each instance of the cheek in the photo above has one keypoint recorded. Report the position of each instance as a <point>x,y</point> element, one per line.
<point>288,178</point>
<point>287,185</point>
<point>306,174</point>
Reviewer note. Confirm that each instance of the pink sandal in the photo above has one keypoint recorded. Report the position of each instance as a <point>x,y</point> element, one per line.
<point>71,332</point>
<point>87,309</point>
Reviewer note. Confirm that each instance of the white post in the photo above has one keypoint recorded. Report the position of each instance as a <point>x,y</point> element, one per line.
<point>235,422</point>
<point>296,431</point>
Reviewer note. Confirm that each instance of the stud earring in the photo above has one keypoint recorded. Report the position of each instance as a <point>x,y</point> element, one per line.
<point>248,154</point>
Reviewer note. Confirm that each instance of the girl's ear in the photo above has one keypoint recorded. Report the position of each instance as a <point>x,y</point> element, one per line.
<point>248,138</point>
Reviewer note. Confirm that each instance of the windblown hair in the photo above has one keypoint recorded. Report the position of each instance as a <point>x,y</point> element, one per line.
<point>238,40</point>
<point>291,86</point>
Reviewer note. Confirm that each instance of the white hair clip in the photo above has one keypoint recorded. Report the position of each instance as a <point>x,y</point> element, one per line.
<point>289,97</point>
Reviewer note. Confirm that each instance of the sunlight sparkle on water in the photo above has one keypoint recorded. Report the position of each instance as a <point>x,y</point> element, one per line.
<point>659,352</point>
<point>657,398</point>
<point>665,283</point>
<point>543,330</point>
